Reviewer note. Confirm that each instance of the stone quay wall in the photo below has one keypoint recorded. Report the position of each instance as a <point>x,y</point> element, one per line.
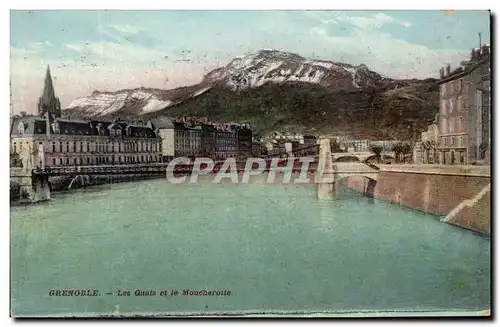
<point>438,190</point>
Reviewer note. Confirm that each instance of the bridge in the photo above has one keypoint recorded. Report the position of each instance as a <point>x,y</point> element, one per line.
<point>34,182</point>
<point>331,170</point>
<point>361,156</point>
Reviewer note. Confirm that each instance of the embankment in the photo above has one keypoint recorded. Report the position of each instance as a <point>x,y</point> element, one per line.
<point>62,183</point>
<point>461,194</point>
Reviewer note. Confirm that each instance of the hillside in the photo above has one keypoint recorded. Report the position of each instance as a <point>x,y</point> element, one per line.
<point>314,109</point>
<point>280,90</point>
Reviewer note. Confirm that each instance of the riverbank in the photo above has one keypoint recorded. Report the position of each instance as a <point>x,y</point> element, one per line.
<point>65,183</point>
<point>461,195</point>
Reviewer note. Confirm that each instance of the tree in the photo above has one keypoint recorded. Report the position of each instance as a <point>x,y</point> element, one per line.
<point>397,148</point>
<point>428,146</point>
<point>406,149</point>
<point>377,149</point>
<point>335,147</point>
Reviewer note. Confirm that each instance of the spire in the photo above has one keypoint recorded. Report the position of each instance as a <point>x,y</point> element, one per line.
<point>48,88</point>
<point>48,101</point>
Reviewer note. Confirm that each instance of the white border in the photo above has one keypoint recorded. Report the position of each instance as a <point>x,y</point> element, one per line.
<point>184,4</point>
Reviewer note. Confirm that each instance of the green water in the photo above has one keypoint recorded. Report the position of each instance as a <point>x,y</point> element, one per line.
<point>275,247</point>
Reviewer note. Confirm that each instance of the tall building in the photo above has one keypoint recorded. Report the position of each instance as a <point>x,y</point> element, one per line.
<point>464,111</point>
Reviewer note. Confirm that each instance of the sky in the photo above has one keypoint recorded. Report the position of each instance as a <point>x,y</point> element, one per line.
<point>113,50</point>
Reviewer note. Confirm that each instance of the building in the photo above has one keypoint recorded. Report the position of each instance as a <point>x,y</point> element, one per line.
<point>226,145</point>
<point>208,144</point>
<point>277,148</point>
<point>257,149</point>
<point>73,142</point>
<point>464,111</point>
<point>165,129</point>
<point>187,140</point>
<point>198,137</point>
<point>70,142</point>
<point>244,140</point>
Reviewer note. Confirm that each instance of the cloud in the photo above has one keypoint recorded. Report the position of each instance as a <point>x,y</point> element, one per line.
<point>74,47</point>
<point>125,29</point>
<point>117,52</point>
<point>115,69</point>
<point>372,21</point>
<point>365,22</point>
<point>385,54</point>
<point>30,49</point>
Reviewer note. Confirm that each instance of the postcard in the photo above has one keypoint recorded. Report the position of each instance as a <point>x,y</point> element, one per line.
<point>171,163</point>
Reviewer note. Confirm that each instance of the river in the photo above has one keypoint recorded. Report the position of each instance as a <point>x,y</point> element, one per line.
<point>276,248</point>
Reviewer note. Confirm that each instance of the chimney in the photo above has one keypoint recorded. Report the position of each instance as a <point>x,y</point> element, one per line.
<point>448,69</point>
<point>441,73</point>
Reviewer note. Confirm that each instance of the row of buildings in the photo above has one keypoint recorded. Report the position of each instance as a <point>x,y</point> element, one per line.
<point>199,137</point>
<point>286,144</point>
<point>461,131</point>
<point>49,140</point>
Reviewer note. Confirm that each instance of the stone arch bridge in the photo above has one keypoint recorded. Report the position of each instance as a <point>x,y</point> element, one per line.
<point>362,156</point>
<point>332,170</point>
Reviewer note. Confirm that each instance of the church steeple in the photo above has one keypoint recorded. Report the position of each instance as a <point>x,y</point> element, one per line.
<point>48,101</point>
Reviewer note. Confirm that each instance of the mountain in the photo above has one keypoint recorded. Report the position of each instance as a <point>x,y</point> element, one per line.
<point>274,90</point>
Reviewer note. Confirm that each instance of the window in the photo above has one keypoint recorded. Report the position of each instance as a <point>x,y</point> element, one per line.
<point>53,161</point>
<point>452,141</point>
<point>460,124</point>
<point>452,105</point>
<point>67,150</point>
<point>461,85</point>
<point>20,128</point>
<point>81,146</point>
<point>67,160</point>
<point>60,161</point>
<point>61,147</point>
<point>54,148</point>
<point>461,141</point>
<point>479,99</point>
<point>88,160</point>
<point>74,146</point>
<point>450,126</point>
<point>88,147</point>
<point>15,148</point>
<point>460,103</point>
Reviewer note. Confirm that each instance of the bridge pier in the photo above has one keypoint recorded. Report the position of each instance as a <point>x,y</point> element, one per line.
<point>33,188</point>
<point>325,180</point>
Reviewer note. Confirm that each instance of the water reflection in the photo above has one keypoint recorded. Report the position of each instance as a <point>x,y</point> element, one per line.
<point>276,246</point>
